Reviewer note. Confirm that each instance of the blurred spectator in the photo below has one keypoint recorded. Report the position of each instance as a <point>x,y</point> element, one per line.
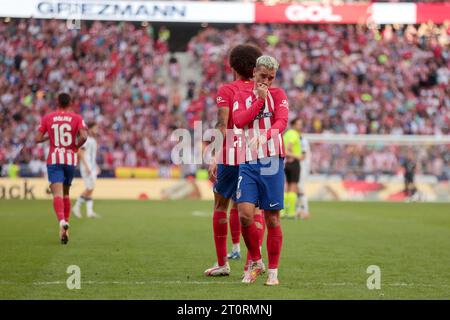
<point>351,79</point>
<point>174,68</point>
<point>113,71</point>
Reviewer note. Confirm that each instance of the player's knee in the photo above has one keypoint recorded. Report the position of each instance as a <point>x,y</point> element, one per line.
<point>221,203</point>
<point>272,220</point>
<point>245,217</point>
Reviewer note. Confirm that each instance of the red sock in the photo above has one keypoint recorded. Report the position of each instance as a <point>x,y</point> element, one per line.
<point>274,242</point>
<point>263,226</point>
<point>67,207</point>
<point>220,228</point>
<point>235,226</point>
<point>250,235</point>
<point>58,206</point>
<point>247,262</point>
<point>260,219</point>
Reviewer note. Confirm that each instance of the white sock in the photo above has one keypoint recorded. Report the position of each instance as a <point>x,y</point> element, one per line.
<point>236,247</point>
<point>304,200</point>
<point>90,206</point>
<point>79,202</point>
<point>273,273</point>
<point>62,222</point>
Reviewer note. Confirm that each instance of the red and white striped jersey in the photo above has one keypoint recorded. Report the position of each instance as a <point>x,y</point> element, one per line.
<point>62,128</point>
<point>225,99</point>
<point>257,116</point>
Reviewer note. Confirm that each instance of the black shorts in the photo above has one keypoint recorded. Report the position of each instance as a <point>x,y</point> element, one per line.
<point>292,171</point>
<point>409,178</point>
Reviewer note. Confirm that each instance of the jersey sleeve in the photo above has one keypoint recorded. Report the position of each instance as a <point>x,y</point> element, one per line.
<point>281,113</point>
<point>224,98</point>
<point>243,116</point>
<point>43,125</point>
<point>81,124</point>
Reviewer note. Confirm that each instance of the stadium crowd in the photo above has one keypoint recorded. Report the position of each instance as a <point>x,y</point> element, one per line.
<point>339,79</point>
<point>113,71</point>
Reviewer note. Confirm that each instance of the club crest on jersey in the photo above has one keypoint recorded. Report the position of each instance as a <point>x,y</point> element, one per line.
<point>219,99</point>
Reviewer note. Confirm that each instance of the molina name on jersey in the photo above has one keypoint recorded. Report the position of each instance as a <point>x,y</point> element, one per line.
<point>62,128</point>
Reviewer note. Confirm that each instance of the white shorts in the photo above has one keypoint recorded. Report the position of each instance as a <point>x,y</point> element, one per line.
<point>89,180</point>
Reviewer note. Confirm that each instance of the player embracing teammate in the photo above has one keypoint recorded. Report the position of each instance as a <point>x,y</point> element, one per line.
<point>262,113</point>
<point>225,172</point>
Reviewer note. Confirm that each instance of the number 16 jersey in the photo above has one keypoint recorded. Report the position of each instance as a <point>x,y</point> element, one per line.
<point>62,128</point>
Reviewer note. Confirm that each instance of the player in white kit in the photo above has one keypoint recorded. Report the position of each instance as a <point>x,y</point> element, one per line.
<point>89,171</point>
<point>305,167</point>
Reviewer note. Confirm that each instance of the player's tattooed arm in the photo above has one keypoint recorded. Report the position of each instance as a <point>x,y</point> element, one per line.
<point>222,120</point>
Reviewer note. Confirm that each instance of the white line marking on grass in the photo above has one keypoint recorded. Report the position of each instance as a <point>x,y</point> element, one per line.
<point>47,283</point>
<point>180,282</point>
<point>201,214</point>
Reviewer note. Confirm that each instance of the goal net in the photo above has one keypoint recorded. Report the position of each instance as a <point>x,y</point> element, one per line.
<point>376,167</point>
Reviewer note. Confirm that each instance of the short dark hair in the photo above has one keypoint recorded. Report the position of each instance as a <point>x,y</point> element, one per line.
<point>64,100</point>
<point>243,59</point>
<point>293,121</point>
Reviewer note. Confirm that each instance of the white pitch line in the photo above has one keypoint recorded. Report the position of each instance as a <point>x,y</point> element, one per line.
<point>44,283</point>
<point>179,282</point>
<point>201,214</point>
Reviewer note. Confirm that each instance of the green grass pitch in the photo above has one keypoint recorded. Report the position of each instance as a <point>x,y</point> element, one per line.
<point>159,250</point>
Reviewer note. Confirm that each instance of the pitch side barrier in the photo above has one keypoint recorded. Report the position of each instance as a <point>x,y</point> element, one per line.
<point>318,188</point>
<point>227,12</point>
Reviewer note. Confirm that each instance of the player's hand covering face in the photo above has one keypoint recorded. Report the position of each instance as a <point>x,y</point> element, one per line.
<point>264,77</point>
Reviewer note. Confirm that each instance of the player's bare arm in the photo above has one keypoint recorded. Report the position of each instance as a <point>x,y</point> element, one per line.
<point>40,137</point>
<point>82,137</point>
<point>222,120</point>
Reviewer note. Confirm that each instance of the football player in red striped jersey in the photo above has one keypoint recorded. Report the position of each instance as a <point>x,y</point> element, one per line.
<point>66,132</point>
